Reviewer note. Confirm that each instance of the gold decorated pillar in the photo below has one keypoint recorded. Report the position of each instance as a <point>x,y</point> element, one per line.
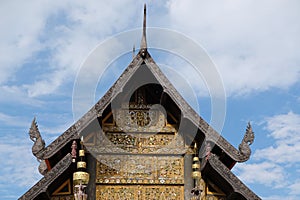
<point>80,177</point>
<point>199,185</point>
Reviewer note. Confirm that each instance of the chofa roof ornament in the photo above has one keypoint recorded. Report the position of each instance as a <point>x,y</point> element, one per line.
<point>35,136</point>
<point>244,147</point>
<point>144,39</point>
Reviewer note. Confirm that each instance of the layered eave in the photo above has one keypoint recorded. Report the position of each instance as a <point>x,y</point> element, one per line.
<point>213,165</point>
<point>187,111</point>
<point>40,189</point>
<point>234,188</point>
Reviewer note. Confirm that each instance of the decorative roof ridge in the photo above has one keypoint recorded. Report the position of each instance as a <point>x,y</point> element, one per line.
<point>118,85</point>
<point>42,185</point>
<point>238,186</point>
<point>72,132</point>
<point>188,112</point>
<point>211,134</point>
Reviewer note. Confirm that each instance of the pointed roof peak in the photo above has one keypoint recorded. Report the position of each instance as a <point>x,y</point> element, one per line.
<point>144,41</point>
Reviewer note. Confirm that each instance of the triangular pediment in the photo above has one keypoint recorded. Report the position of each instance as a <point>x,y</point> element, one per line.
<point>63,189</point>
<point>140,72</point>
<point>142,122</point>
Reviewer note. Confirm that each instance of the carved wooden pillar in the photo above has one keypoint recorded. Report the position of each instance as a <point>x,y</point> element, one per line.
<point>188,180</point>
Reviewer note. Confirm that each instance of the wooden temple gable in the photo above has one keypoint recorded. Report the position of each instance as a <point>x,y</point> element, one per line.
<point>139,152</point>
<point>140,143</point>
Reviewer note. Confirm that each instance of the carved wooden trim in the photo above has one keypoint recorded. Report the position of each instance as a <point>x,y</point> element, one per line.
<point>188,112</point>
<point>73,132</point>
<point>193,116</point>
<point>136,192</point>
<point>69,135</point>
<point>35,136</point>
<point>237,185</point>
<point>58,191</point>
<point>140,169</point>
<point>49,177</point>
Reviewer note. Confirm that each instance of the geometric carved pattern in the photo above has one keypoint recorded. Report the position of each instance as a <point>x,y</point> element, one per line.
<point>141,142</point>
<point>89,139</point>
<point>64,189</point>
<point>63,197</point>
<point>215,197</point>
<point>49,178</point>
<point>97,110</point>
<point>236,184</point>
<point>138,169</point>
<point>123,139</point>
<point>139,192</point>
<point>138,129</point>
<point>142,118</point>
<point>139,118</point>
<point>213,192</point>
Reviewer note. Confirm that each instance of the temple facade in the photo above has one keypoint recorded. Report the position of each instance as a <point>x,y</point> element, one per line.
<point>140,141</point>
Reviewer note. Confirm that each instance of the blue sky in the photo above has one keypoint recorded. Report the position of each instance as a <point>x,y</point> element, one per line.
<point>254,45</point>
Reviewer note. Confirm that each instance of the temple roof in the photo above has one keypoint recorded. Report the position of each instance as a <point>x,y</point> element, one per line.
<point>39,190</point>
<point>213,168</point>
<point>188,112</point>
<point>219,165</point>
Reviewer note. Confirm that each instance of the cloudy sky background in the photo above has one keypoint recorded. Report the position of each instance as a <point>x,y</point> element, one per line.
<point>254,45</point>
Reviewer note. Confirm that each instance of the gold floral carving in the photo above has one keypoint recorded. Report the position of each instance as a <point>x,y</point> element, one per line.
<point>136,118</point>
<point>143,142</point>
<point>139,192</point>
<point>63,197</point>
<point>138,169</point>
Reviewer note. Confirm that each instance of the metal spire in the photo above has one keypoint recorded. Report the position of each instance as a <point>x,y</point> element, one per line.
<point>144,41</point>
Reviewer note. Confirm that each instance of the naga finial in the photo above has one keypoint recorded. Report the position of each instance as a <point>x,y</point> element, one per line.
<point>249,135</point>
<point>35,136</point>
<point>34,130</point>
<point>244,147</point>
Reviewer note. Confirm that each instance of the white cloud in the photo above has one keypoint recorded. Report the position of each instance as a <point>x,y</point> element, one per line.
<point>285,130</point>
<point>253,44</point>
<point>276,166</point>
<point>17,95</point>
<point>284,127</point>
<point>265,173</point>
<point>21,27</point>
<point>280,197</point>
<point>88,24</point>
<point>78,28</point>
<point>15,121</point>
<point>19,166</point>
<point>46,86</point>
<point>49,130</point>
<point>295,188</point>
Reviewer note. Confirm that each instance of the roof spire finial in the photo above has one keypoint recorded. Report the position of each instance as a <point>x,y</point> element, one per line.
<point>144,41</point>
